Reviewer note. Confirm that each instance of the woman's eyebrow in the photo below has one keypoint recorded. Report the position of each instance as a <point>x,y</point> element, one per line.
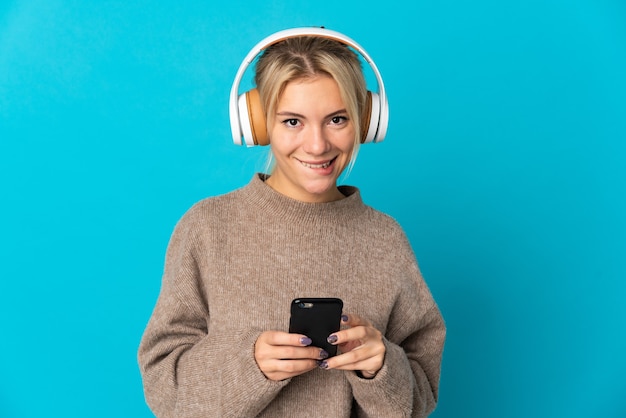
<point>293,114</point>
<point>298,115</point>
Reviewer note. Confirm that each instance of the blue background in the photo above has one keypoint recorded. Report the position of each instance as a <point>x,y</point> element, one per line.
<point>504,162</point>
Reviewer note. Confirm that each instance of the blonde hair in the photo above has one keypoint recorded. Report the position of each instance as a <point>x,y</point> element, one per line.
<point>307,57</point>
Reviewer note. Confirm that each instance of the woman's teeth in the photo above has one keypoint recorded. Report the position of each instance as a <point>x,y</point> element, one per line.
<point>323,165</point>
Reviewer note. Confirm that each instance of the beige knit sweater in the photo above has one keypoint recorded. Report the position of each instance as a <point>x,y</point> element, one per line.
<point>233,265</point>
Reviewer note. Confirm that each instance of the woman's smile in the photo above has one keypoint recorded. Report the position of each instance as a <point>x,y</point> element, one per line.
<point>323,164</point>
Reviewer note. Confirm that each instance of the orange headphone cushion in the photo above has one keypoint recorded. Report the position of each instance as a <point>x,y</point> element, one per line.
<point>366,117</point>
<point>258,125</point>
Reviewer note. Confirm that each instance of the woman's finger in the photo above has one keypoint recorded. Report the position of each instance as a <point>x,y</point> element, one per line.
<point>361,345</point>
<point>284,338</point>
<point>280,355</point>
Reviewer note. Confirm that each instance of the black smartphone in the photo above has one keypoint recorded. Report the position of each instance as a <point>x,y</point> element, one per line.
<point>316,318</point>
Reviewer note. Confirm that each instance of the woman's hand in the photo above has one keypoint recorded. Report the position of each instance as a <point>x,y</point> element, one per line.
<point>361,346</point>
<point>281,355</point>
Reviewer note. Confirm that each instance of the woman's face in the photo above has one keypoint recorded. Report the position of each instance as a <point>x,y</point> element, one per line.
<point>312,140</point>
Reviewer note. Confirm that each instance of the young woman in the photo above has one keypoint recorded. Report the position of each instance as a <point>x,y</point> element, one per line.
<point>217,342</point>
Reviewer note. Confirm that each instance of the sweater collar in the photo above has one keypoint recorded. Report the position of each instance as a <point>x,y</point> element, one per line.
<point>269,201</point>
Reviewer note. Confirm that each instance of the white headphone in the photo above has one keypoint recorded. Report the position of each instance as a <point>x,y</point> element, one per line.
<point>247,121</point>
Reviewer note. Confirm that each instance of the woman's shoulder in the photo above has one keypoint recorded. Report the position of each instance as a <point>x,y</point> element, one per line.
<point>210,210</point>
<point>382,219</point>
<point>214,205</point>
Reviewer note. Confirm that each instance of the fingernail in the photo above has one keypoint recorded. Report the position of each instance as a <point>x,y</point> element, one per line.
<point>305,341</point>
<point>332,339</point>
<point>323,364</point>
<point>323,354</point>
<point>344,318</point>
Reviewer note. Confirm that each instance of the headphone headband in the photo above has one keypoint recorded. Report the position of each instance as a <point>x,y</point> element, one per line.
<point>238,131</point>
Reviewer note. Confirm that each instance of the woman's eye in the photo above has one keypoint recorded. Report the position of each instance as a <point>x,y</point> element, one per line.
<point>291,122</point>
<point>336,120</point>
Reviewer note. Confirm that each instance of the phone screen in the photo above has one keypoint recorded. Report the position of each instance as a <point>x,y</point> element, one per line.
<point>316,318</point>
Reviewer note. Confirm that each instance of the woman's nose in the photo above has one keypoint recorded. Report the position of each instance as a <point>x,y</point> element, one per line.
<point>315,141</point>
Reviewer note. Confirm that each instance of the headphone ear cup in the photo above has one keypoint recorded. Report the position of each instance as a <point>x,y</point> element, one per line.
<point>251,119</point>
<point>370,118</point>
<point>258,124</point>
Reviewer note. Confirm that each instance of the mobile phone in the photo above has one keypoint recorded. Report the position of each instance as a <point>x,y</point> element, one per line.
<point>316,318</point>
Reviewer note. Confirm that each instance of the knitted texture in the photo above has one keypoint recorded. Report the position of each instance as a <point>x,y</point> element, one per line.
<point>234,264</point>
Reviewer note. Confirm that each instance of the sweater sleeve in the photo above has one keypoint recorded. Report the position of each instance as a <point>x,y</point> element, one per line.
<point>407,384</point>
<point>187,369</point>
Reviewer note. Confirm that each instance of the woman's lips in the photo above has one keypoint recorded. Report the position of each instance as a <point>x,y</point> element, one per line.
<point>324,164</point>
